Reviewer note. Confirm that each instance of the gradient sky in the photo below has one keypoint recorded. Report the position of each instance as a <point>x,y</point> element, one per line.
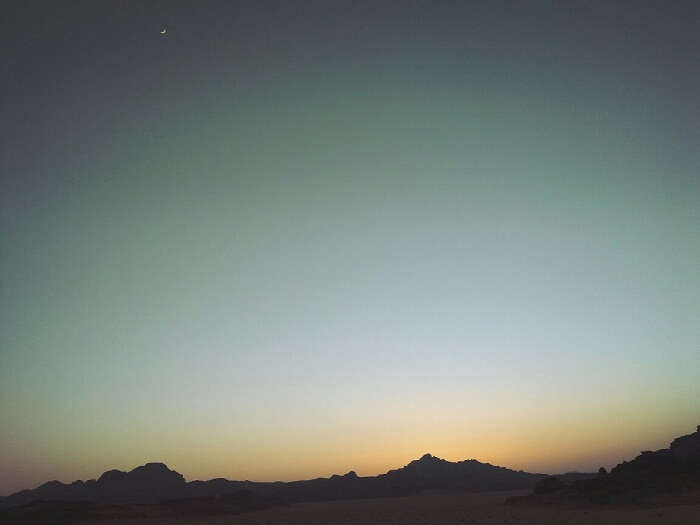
<point>292,239</point>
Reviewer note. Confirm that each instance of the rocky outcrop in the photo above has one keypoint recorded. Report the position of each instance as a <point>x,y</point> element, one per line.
<point>687,448</point>
<point>145,484</point>
<point>430,472</point>
<point>668,471</point>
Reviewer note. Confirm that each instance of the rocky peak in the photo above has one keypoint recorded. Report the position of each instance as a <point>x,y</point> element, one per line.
<point>156,473</point>
<point>687,447</point>
<point>429,459</point>
<point>111,476</point>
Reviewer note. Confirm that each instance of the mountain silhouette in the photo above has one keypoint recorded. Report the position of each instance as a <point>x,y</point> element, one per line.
<point>155,482</point>
<point>668,471</point>
<point>147,483</point>
<point>430,472</point>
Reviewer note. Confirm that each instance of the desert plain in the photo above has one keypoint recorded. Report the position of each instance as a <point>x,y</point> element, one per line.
<point>447,509</point>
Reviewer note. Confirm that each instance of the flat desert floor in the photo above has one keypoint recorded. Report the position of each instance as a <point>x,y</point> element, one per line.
<point>447,509</point>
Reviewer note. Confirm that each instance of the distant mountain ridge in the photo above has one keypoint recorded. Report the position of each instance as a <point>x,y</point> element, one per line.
<point>147,483</point>
<point>155,482</point>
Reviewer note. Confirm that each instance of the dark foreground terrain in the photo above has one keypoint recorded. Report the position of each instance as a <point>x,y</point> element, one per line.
<point>425,509</point>
<point>202,508</point>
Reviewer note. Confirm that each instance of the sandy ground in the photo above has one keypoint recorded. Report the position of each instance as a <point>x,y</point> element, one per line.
<point>446,509</point>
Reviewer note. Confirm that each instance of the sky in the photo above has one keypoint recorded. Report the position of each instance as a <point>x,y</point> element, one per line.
<point>290,239</point>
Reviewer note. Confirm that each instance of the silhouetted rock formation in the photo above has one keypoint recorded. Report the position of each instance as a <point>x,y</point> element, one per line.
<point>687,448</point>
<point>430,472</point>
<point>146,484</point>
<point>154,482</point>
<point>671,470</point>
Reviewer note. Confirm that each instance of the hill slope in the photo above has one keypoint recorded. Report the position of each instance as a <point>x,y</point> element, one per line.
<point>668,471</point>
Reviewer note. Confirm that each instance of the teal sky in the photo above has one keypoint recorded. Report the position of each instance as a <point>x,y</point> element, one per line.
<point>282,243</point>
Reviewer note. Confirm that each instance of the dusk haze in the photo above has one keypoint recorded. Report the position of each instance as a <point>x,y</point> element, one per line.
<point>285,240</point>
